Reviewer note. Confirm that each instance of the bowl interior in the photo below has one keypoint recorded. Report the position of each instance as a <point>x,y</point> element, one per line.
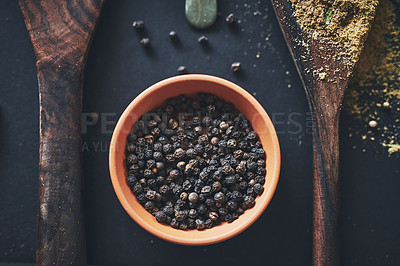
<point>156,96</point>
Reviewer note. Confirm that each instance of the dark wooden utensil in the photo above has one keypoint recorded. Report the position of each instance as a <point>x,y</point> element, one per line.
<point>325,92</point>
<point>60,31</point>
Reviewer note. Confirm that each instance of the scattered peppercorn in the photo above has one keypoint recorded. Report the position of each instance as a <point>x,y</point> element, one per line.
<point>235,67</point>
<point>230,19</point>
<point>173,36</point>
<point>203,40</point>
<point>139,25</point>
<point>145,42</point>
<point>182,70</point>
<point>197,172</point>
<point>193,197</point>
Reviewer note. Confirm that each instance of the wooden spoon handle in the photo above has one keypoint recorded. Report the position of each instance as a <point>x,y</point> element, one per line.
<point>326,191</point>
<point>61,238</point>
<point>60,31</point>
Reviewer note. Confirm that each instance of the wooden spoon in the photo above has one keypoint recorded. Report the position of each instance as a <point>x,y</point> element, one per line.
<point>60,31</point>
<point>325,90</point>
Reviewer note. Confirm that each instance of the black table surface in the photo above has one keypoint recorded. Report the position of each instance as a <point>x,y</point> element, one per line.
<point>117,70</point>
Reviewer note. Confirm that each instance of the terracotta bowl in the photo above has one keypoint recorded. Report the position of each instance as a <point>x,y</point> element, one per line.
<point>156,96</point>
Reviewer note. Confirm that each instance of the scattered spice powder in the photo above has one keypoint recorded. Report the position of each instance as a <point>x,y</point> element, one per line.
<point>344,21</point>
<point>374,89</point>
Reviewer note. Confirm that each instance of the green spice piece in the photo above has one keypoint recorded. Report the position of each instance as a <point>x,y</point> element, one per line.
<point>201,13</point>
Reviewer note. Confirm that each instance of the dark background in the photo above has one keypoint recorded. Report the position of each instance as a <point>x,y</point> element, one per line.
<point>117,70</point>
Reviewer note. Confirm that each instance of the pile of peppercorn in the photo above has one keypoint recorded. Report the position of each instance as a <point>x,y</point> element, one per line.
<point>196,162</point>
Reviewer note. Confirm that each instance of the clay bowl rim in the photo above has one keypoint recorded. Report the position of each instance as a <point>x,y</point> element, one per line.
<point>120,135</point>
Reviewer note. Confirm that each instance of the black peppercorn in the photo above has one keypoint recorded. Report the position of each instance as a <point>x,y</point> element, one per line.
<point>222,211</point>
<point>231,205</point>
<point>239,211</point>
<point>227,169</point>
<point>204,175</point>
<point>248,202</point>
<point>174,173</point>
<point>168,210</point>
<point>201,209</point>
<point>131,180</point>
<point>157,156</point>
<point>179,153</point>
<point>132,159</point>
<point>177,189</point>
<point>203,40</point>
<point>230,18</point>
<point>198,130</point>
<point>208,223</point>
<point>170,158</point>
<point>210,202</point>
<point>151,182</point>
<point>167,148</point>
<point>230,180</point>
<point>202,197</point>
<point>206,190</point>
<point>251,165</point>
<point>231,143</point>
<point>180,215</point>
<point>151,164</point>
<point>159,165</point>
<point>200,224</point>
<point>236,196</point>
<point>164,189</point>
<point>193,213</point>
<point>229,218</point>
<point>181,165</point>
<point>160,216</point>
<point>183,196</point>
<point>145,42</point>
<point>258,188</point>
<point>174,223</point>
<point>193,197</point>
<point>261,170</point>
<point>191,153</point>
<point>137,188</point>
<point>236,67</point>
<point>173,36</point>
<point>252,135</point>
<point>219,197</point>
<point>216,186</point>
<point>150,195</point>
<point>213,216</point>
<point>261,163</point>
<point>183,226</point>
<point>139,25</point>
<point>211,108</point>
<point>186,185</point>
<point>182,70</point>
<point>260,179</point>
<point>149,205</point>
<point>148,173</point>
<point>130,147</point>
<point>157,147</point>
<point>148,154</point>
<point>217,175</point>
<point>141,198</point>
